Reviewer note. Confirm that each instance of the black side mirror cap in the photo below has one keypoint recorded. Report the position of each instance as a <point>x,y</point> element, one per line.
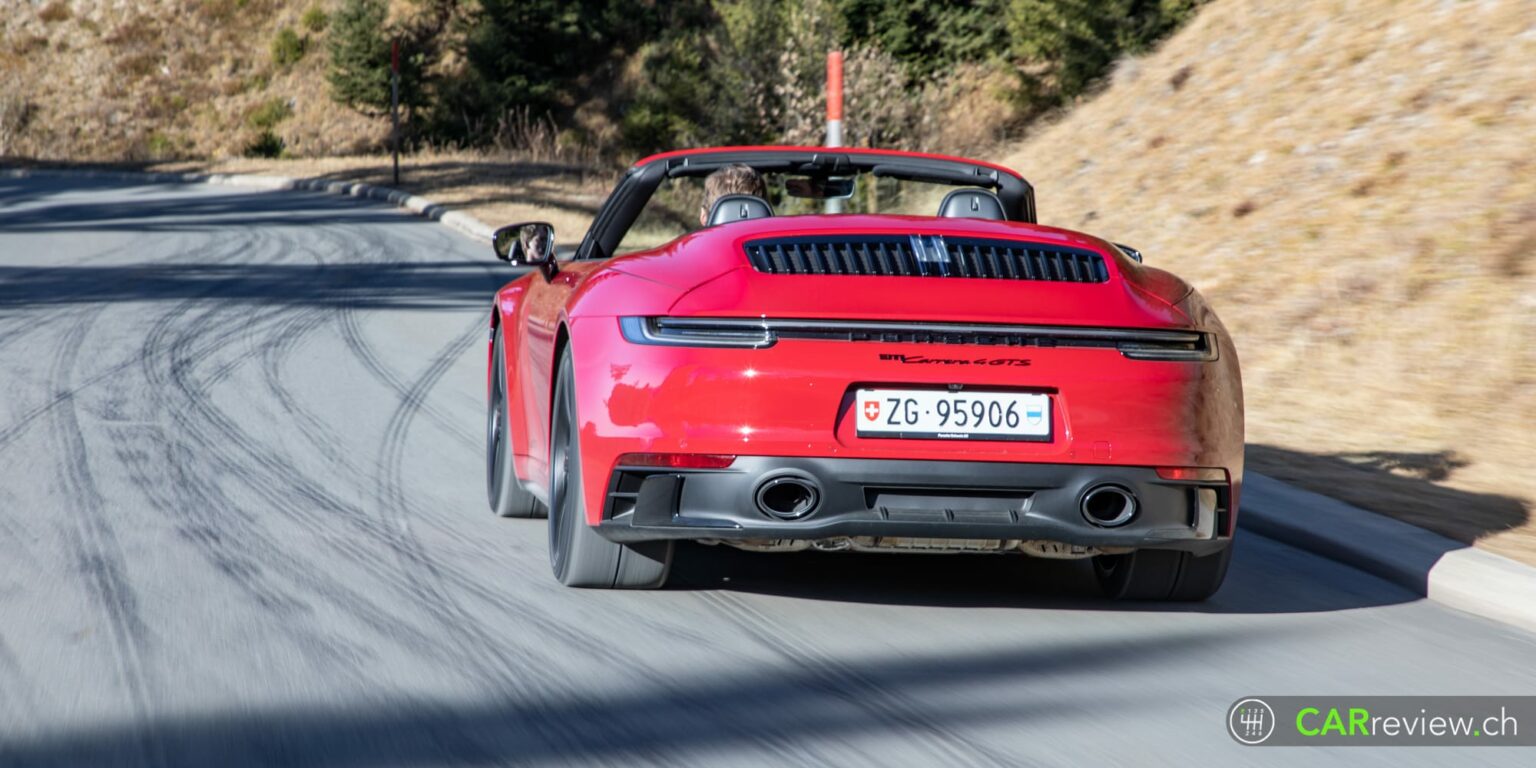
<point>1129,251</point>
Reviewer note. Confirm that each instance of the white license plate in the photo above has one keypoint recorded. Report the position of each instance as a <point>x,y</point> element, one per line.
<point>943,415</point>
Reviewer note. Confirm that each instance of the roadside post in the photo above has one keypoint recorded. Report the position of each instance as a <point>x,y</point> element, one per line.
<point>834,112</point>
<point>394,103</point>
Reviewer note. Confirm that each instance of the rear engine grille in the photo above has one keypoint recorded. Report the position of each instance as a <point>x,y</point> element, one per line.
<point>925,256</point>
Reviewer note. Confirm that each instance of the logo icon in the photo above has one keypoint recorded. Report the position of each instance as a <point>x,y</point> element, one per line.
<point>872,410</point>
<point>1251,721</point>
<point>1034,415</point>
<point>932,255</point>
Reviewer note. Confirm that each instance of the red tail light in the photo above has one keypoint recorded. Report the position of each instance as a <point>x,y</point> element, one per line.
<point>1193,474</point>
<point>677,460</point>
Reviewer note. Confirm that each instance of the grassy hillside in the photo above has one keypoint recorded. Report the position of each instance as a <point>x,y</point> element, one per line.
<point>1353,184</point>
<point>152,79</point>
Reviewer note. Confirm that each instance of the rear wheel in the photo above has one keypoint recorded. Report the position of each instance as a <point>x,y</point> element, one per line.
<point>507,495</point>
<point>1160,574</point>
<point>578,554</point>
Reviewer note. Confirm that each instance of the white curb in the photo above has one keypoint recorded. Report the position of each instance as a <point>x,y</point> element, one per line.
<point>421,206</point>
<point>1444,570</point>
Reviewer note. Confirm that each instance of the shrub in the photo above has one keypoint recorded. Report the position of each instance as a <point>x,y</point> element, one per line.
<point>266,144</point>
<point>54,12</point>
<point>675,99</point>
<point>288,47</point>
<point>315,19</point>
<point>16,115</point>
<point>358,71</point>
<point>139,65</point>
<point>548,55</point>
<point>268,114</point>
<point>138,31</point>
<point>1072,43</point>
<point>925,37</point>
<point>160,146</point>
<point>220,11</point>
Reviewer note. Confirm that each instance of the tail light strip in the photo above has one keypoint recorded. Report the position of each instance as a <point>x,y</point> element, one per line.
<point>758,333</point>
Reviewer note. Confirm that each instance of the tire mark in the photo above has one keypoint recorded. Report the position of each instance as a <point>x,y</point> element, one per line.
<point>64,394</point>
<point>846,682</point>
<point>231,542</point>
<point>98,555</point>
<point>439,589</point>
<point>204,430</point>
<point>211,430</point>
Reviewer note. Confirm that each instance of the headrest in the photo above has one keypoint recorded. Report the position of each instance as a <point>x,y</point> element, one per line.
<point>731,208</point>
<point>970,203</point>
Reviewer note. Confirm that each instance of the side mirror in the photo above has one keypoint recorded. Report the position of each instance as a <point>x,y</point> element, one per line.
<point>1129,251</point>
<point>531,243</point>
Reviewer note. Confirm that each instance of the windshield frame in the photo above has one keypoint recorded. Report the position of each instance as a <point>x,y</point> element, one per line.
<point>640,182</point>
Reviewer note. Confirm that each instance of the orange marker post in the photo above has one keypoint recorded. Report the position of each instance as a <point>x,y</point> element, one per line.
<point>835,98</point>
<point>834,113</point>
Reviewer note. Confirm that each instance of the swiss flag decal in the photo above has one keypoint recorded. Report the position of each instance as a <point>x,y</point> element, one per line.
<point>872,410</point>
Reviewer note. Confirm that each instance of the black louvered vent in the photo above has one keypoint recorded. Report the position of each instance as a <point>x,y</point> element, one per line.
<point>925,256</point>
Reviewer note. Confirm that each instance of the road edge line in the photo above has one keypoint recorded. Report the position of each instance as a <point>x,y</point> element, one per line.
<point>1441,569</point>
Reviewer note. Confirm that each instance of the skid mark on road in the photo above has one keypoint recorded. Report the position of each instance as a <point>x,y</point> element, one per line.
<point>97,552</point>
<point>357,343</point>
<point>889,706</point>
<point>203,443</point>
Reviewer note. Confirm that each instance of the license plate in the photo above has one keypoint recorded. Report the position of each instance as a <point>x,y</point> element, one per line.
<point>943,415</point>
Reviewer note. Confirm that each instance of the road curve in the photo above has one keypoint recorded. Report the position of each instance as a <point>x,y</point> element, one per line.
<point>243,522</point>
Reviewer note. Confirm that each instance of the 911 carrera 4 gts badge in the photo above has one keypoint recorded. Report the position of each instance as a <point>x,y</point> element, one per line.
<point>1007,362</point>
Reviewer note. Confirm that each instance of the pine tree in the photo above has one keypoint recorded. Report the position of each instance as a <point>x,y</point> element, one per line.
<point>359,47</point>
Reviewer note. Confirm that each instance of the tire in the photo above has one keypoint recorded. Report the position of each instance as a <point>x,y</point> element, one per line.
<point>578,554</point>
<point>507,495</point>
<point>1160,574</point>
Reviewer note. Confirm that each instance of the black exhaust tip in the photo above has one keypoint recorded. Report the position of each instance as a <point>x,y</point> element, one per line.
<point>788,497</point>
<point>1109,506</point>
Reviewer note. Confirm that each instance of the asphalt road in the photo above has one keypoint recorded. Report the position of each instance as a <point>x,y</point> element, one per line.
<point>243,521</point>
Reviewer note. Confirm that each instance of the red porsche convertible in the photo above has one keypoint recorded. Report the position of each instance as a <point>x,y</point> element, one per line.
<point>783,348</point>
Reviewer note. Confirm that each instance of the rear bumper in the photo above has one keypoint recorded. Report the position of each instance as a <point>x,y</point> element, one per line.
<point>915,499</point>
<point>796,399</point>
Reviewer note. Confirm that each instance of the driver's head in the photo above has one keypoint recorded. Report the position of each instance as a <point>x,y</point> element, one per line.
<point>535,241</point>
<point>734,179</point>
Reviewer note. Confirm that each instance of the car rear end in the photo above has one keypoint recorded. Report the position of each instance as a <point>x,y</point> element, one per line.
<point>880,383</point>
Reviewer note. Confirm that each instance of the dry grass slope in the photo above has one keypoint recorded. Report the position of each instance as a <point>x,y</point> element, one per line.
<point>106,80</point>
<point>1352,183</point>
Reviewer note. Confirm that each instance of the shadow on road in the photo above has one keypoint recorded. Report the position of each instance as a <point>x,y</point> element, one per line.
<point>176,213</point>
<point>774,712</point>
<point>162,209</point>
<point>270,248</point>
<point>1266,577</point>
<point>1400,484</point>
<point>395,285</point>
